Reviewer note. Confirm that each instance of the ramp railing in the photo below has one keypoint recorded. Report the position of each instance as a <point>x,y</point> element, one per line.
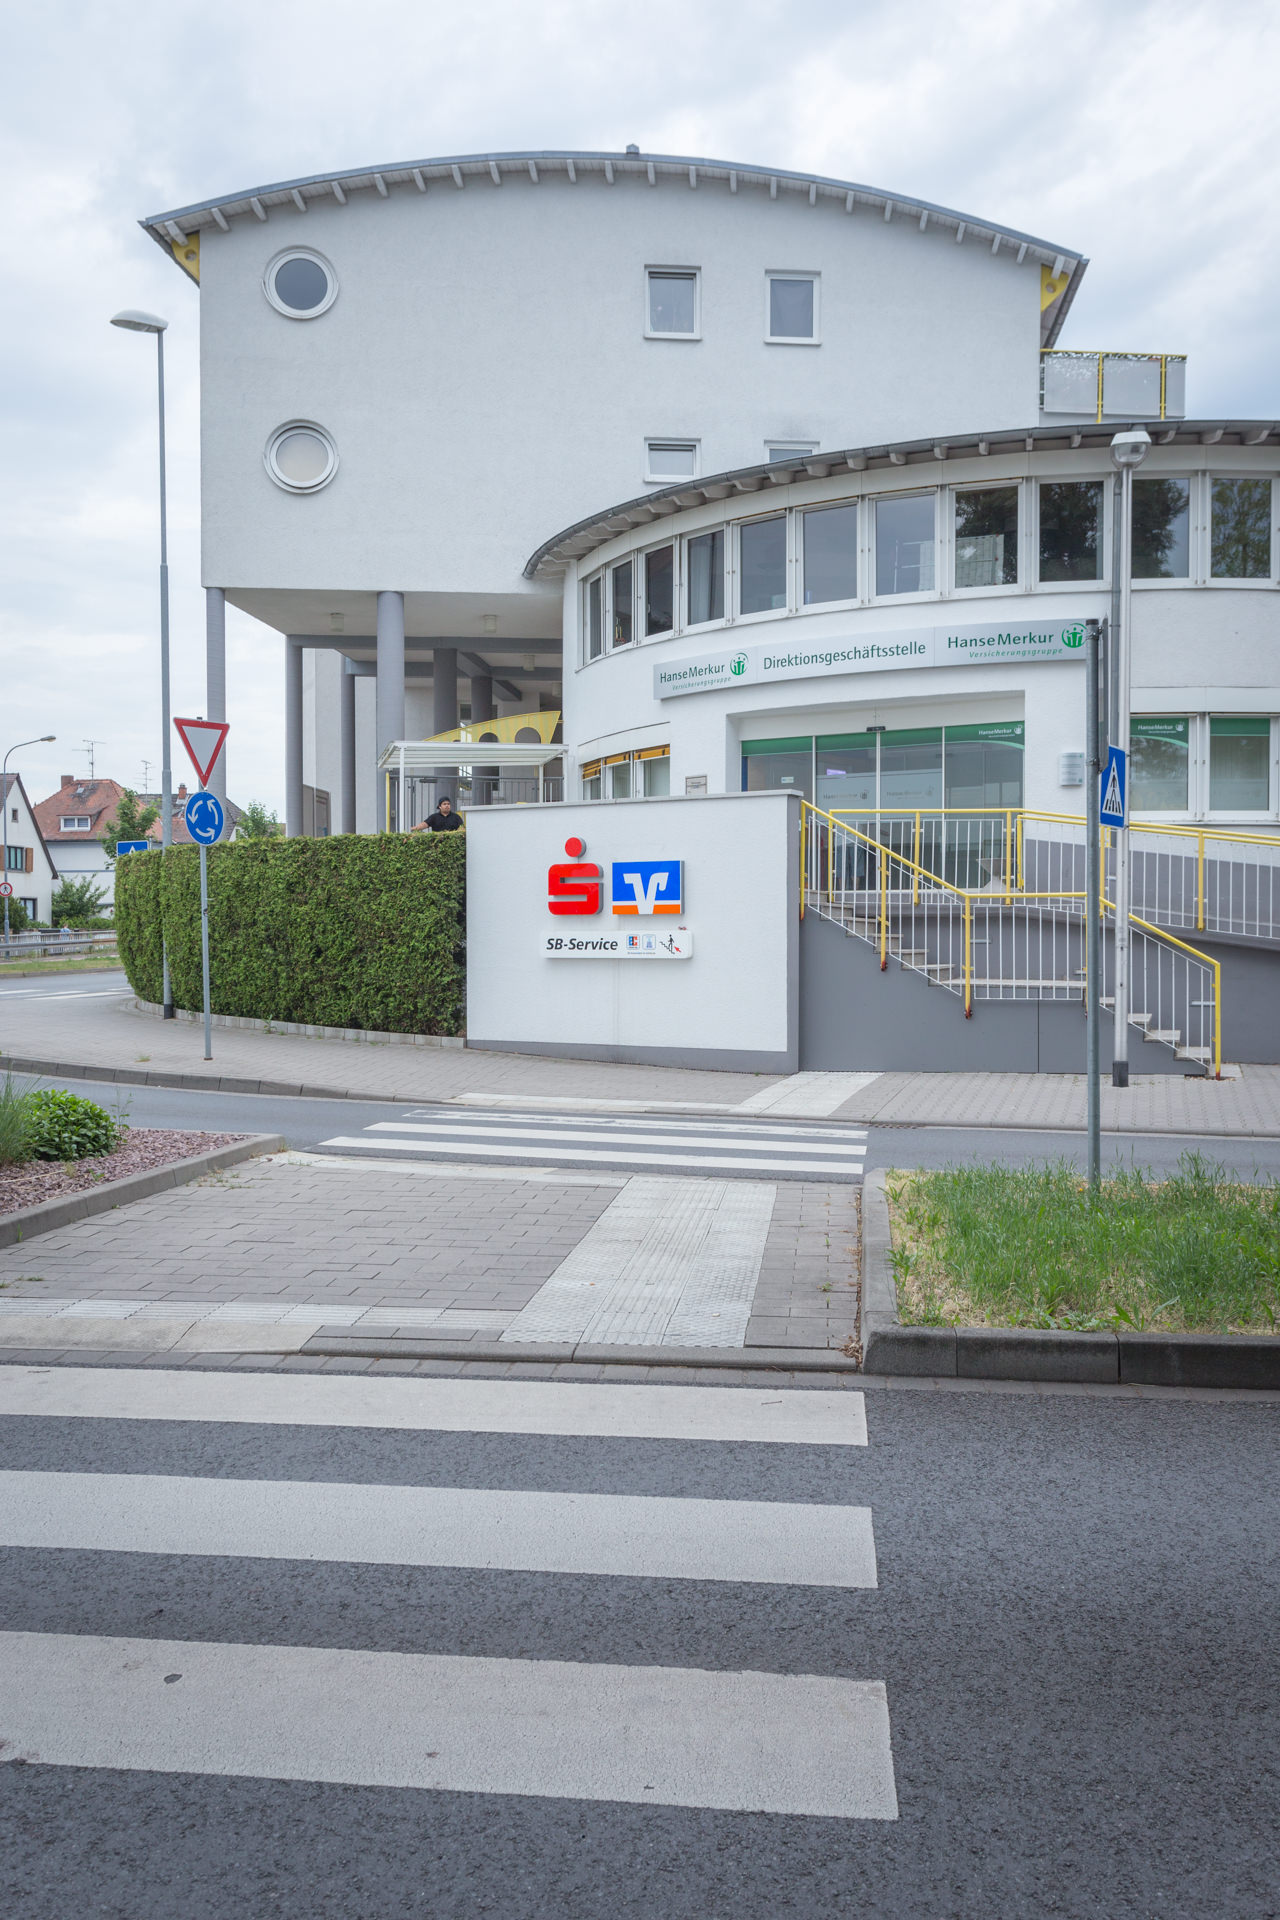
<point>1195,879</point>
<point>999,941</point>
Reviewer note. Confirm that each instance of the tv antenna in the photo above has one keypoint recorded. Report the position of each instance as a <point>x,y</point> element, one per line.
<point>146,776</point>
<point>89,747</point>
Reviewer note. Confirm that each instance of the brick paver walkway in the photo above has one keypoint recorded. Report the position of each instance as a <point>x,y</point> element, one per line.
<point>292,1234</point>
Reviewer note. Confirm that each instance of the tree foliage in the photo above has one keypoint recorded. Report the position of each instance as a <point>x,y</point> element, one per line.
<point>358,930</point>
<point>77,901</point>
<point>255,823</point>
<point>129,821</point>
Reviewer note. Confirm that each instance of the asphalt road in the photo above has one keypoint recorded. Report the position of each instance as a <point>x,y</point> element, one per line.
<point>306,1123</point>
<point>1074,1623</point>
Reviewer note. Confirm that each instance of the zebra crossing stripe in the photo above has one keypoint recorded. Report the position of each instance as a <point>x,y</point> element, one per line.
<point>650,1736</point>
<point>679,1155</point>
<point>780,1543</point>
<point>796,1416</point>
<point>629,1136</point>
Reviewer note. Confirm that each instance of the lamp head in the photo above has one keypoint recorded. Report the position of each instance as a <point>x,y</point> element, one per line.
<point>138,322</point>
<point>1130,449</point>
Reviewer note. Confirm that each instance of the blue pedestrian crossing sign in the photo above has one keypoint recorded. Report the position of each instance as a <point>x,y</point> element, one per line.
<point>1115,789</point>
<point>204,818</point>
<point>133,846</point>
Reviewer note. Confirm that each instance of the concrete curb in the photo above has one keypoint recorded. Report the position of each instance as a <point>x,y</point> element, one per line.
<point>28,1221</point>
<point>365,1035</point>
<point>416,1347</point>
<point>196,1082</point>
<point>1027,1353</point>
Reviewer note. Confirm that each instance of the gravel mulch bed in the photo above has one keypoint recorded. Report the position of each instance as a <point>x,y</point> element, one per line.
<point>34,1181</point>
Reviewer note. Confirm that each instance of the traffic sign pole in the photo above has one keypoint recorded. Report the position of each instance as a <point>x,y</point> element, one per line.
<point>1094,725</point>
<point>204,950</point>
<point>205,821</point>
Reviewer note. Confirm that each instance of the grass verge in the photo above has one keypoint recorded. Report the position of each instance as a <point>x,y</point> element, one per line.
<point>27,969</point>
<point>1196,1252</point>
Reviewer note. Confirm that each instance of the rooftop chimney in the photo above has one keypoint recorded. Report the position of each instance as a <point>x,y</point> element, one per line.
<point>68,779</point>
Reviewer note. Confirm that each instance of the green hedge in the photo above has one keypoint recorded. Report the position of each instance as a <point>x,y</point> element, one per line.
<point>362,930</point>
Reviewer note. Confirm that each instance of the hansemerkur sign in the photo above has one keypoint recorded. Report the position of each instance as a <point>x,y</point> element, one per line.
<point>870,653</point>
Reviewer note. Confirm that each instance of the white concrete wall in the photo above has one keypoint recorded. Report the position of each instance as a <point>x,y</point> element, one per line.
<point>732,1004</point>
<point>39,884</point>
<point>489,344</point>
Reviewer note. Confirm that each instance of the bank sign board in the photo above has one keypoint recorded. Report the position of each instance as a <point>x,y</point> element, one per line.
<point>575,888</point>
<point>755,666</point>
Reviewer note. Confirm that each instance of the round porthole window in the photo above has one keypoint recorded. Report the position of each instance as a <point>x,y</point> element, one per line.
<point>300,284</point>
<point>300,457</point>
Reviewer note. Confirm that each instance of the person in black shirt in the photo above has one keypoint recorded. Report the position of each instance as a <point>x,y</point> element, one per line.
<point>444,819</point>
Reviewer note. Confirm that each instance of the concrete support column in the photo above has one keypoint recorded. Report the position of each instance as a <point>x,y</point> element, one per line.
<point>482,708</point>
<point>215,676</point>
<point>347,749</point>
<point>444,712</point>
<point>292,737</point>
<point>390,696</point>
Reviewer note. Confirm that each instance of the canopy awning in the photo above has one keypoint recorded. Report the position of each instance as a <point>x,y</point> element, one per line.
<point>431,756</point>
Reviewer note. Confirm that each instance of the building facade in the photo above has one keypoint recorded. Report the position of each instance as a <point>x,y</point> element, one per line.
<point>28,863</point>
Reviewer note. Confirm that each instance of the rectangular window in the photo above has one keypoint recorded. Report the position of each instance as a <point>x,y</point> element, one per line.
<point>778,765</point>
<point>762,561</point>
<point>33,911</point>
<point>75,823</point>
<point>846,771</point>
<point>788,449</point>
<point>1070,530</point>
<point>657,774</point>
<point>673,302</point>
<point>623,609</point>
<point>830,539</point>
<point>1239,764</point>
<point>905,544</point>
<point>911,768</point>
<point>793,307</point>
<point>16,859</point>
<point>670,459</point>
<point>1241,530</point>
<point>1161,529</point>
<point>704,559</point>
<point>619,772</point>
<point>987,537</point>
<point>1159,754</point>
<point>984,764</point>
<point>595,618</point>
<point>591,780</point>
<point>659,590</point>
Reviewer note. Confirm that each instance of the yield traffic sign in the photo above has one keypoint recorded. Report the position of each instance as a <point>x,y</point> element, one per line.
<point>203,740</point>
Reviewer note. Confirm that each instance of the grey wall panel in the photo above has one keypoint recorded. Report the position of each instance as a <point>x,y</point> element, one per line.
<point>853,1018</point>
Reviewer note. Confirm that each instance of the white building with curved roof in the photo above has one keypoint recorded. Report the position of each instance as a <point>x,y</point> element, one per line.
<point>719,480</point>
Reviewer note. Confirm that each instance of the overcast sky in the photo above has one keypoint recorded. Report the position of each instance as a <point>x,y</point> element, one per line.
<point>1141,134</point>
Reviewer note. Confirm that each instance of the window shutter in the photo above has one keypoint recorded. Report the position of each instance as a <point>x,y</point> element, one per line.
<point>31,860</point>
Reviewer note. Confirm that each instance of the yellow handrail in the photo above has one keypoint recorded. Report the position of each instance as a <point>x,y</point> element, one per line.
<point>1206,960</point>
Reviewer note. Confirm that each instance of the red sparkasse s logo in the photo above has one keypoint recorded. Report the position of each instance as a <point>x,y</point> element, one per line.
<point>572,886</point>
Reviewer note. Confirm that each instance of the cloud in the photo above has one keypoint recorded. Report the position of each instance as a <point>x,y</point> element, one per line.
<point>1138,133</point>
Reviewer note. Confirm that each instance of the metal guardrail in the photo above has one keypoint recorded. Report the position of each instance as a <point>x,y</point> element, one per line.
<point>1195,879</point>
<point>44,945</point>
<point>1001,940</point>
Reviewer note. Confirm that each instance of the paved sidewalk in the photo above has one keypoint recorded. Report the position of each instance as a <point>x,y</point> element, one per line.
<point>110,1036</point>
<point>288,1244</point>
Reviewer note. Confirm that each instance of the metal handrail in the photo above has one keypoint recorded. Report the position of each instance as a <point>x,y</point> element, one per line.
<point>947,900</point>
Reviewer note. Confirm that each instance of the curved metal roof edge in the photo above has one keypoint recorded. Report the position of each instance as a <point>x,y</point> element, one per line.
<point>202,212</point>
<point>862,459</point>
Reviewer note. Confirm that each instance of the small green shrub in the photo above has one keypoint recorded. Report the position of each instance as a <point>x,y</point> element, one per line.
<point>15,1121</point>
<point>62,1126</point>
<point>19,918</point>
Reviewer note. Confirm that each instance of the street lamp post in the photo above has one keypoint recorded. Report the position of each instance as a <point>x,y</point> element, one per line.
<point>135,322</point>
<point>1128,450</point>
<point>39,740</point>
